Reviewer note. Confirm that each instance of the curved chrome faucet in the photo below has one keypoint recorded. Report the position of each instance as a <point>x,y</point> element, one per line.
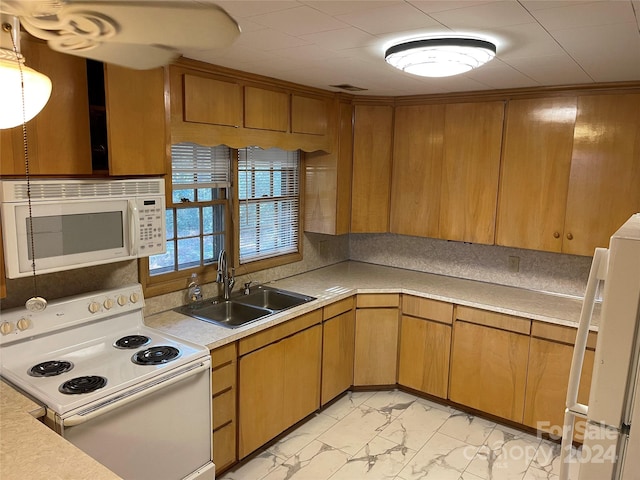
<point>223,275</point>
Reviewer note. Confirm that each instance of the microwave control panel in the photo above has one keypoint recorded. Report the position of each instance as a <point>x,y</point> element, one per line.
<point>152,229</point>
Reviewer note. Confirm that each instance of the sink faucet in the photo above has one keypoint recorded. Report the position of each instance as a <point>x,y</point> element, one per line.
<point>223,275</point>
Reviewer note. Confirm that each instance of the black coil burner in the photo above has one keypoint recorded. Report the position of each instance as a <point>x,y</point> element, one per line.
<point>132,341</point>
<point>156,355</point>
<point>80,385</point>
<point>50,368</point>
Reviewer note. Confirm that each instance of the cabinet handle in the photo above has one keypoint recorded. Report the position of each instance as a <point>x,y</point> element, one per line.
<point>569,236</point>
<point>556,234</point>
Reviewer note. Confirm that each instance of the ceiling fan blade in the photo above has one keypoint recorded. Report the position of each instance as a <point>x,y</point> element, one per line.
<point>138,34</point>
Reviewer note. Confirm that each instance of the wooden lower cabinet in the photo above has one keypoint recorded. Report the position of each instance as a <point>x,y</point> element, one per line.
<point>425,345</point>
<point>223,388</point>
<point>279,385</point>
<point>489,364</point>
<point>338,342</point>
<point>376,345</point>
<point>548,377</point>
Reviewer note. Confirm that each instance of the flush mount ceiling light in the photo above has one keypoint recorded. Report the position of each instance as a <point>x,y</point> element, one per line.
<point>440,57</point>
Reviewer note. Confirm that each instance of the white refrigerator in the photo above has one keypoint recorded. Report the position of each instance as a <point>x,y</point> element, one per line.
<point>611,447</point>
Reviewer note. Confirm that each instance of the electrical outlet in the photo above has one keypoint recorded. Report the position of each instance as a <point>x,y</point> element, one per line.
<point>514,264</point>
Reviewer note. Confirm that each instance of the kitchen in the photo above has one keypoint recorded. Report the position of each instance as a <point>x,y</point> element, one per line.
<point>363,217</point>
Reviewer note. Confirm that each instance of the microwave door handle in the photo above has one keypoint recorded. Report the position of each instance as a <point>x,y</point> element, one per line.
<point>134,227</point>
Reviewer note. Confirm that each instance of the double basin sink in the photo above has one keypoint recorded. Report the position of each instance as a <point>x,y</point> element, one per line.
<point>243,309</point>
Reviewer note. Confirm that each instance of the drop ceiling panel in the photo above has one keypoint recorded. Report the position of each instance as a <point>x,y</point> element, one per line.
<point>396,18</point>
<point>299,21</point>
<point>584,15</point>
<point>486,15</point>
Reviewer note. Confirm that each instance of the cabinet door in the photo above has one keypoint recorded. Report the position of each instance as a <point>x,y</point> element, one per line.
<point>471,164</point>
<point>373,130</point>
<point>309,115</point>
<point>58,137</point>
<point>136,121</point>
<point>489,370</point>
<point>338,342</point>
<point>266,109</point>
<point>425,348</point>
<point>605,170</point>
<point>261,397</point>
<point>547,381</point>
<point>301,375</point>
<point>536,161</point>
<point>376,347</point>
<point>211,101</point>
<point>417,170</point>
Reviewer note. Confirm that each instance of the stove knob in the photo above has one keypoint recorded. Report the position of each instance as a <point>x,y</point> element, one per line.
<point>122,300</point>
<point>108,303</point>
<point>94,307</point>
<point>6,328</point>
<point>134,298</point>
<point>23,324</point>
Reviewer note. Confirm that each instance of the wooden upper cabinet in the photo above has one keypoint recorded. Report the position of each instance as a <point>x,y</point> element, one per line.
<point>58,137</point>
<point>470,171</point>
<point>136,121</point>
<point>536,162</point>
<point>604,184</point>
<point>372,144</point>
<point>207,100</point>
<point>266,109</point>
<point>309,115</point>
<point>417,170</point>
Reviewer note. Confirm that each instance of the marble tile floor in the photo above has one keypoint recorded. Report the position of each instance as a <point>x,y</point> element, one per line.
<point>392,435</point>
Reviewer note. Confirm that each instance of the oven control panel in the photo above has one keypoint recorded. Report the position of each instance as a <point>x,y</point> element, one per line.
<point>71,311</point>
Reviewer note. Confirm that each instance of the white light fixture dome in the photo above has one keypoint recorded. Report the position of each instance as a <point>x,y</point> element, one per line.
<point>440,57</point>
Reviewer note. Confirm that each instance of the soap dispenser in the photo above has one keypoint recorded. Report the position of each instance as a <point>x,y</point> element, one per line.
<point>194,292</point>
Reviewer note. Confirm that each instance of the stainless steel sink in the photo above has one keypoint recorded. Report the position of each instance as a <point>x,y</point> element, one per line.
<point>243,309</point>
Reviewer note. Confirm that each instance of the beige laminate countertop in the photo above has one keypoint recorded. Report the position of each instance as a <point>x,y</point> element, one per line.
<point>335,282</point>
<point>29,450</point>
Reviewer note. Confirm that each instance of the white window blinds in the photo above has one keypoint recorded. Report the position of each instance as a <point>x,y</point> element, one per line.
<point>268,192</point>
<point>196,166</point>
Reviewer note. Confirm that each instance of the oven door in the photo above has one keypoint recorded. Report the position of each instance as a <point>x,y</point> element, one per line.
<point>161,430</point>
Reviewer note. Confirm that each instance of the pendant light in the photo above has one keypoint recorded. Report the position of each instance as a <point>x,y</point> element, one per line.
<point>440,57</point>
<point>23,91</point>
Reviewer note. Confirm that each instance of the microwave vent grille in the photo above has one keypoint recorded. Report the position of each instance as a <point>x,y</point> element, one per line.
<point>88,189</point>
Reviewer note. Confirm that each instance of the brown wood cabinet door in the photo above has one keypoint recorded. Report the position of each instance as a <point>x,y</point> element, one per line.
<point>417,170</point>
<point>266,109</point>
<point>471,164</point>
<point>376,347</point>
<point>372,137</point>
<point>302,375</point>
<point>136,121</point>
<point>604,185</point>
<point>261,397</point>
<point>425,348</point>
<point>547,381</point>
<point>489,370</point>
<point>211,101</point>
<point>536,161</point>
<point>338,342</point>
<point>58,137</point>
<point>309,115</point>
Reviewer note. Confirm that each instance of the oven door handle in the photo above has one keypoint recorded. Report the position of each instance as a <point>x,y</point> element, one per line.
<point>132,396</point>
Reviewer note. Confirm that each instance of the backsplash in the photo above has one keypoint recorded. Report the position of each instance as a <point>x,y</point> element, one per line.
<point>543,271</point>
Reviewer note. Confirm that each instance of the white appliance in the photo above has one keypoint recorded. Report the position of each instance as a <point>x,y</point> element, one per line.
<point>134,398</point>
<point>611,447</point>
<point>78,223</point>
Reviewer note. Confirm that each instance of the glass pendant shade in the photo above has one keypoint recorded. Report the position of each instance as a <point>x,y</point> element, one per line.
<point>37,90</point>
<point>440,57</point>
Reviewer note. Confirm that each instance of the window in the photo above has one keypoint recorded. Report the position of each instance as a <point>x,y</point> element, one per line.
<point>268,203</point>
<point>196,214</point>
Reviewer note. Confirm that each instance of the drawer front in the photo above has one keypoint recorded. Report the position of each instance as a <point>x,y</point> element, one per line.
<point>427,308</point>
<point>338,308</point>
<point>224,408</point>
<point>223,378</point>
<point>224,447</point>
<point>372,300</point>
<point>223,355</point>
<point>501,321</point>
<point>560,333</point>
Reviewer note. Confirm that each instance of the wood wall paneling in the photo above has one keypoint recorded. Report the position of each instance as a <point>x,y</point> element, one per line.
<point>309,115</point>
<point>207,100</point>
<point>266,109</point>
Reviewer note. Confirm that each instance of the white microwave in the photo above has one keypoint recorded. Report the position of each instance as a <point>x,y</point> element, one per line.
<point>79,223</point>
